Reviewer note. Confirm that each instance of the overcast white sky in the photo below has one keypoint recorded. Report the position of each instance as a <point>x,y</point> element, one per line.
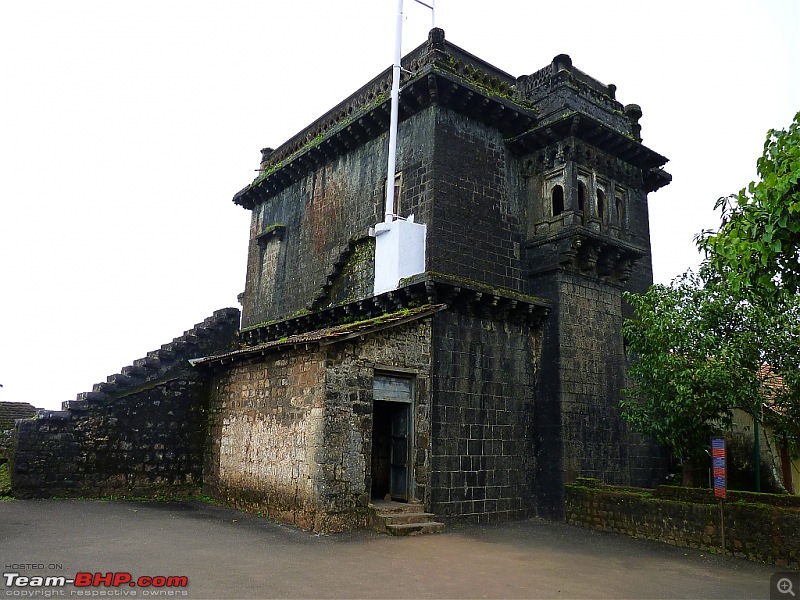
<point>127,127</point>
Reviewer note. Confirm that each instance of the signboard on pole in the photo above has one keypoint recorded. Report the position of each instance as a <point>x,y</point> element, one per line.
<point>720,467</point>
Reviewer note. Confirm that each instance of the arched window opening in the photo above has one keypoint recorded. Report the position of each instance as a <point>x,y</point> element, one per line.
<point>601,204</point>
<point>558,200</point>
<point>581,196</point>
<point>620,205</point>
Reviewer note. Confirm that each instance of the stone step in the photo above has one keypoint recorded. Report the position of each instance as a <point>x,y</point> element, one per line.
<point>390,506</point>
<point>415,528</point>
<point>135,371</point>
<point>120,379</point>
<point>404,518</point>
<point>75,405</point>
<point>106,387</point>
<point>148,363</point>
<point>91,396</point>
<point>162,353</point>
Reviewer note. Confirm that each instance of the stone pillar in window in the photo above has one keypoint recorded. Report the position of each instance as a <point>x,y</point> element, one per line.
<point>619,206</point>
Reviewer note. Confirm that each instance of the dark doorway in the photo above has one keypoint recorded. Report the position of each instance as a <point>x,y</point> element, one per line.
<point>391,439</point>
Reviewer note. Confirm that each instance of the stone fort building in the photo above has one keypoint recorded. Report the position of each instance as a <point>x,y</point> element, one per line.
<point>474,389</point>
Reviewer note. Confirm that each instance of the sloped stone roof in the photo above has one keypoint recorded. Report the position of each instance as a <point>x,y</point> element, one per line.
<point>325,336</point>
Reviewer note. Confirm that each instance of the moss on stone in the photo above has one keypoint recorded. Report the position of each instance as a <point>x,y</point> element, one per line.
<point>343,289</point>
<point>482,287</point>
<point>5,482</point>
<point>317,140</point>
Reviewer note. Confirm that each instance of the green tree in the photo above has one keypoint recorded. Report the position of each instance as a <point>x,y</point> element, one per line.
<point>697,351</point>
<point>758,243</point>
<point>729,338</point>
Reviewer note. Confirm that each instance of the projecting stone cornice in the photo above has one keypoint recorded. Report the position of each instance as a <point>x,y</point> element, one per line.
<point>585,128</point>
<point>580,249</point>
<point>530,111</point>
<point>436,73</point>
<point>428,288</point>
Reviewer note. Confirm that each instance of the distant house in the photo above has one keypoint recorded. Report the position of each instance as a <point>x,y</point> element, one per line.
<point>778,468</point>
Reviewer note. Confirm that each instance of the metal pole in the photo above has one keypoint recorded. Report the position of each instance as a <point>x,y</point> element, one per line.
<point>432,6</point>
<point>722,524</point>
<point>389,211</point>
<point>757,456</point>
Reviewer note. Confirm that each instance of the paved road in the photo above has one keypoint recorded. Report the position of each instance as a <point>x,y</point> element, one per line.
<point>228,554</point>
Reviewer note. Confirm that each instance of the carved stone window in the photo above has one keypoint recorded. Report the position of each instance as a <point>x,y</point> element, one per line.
<point>398,196</point>
<point>269,241</point>
<point>619,204</point>
<point>557,200</point>
<point>581,196</point>
<point>601,204</point>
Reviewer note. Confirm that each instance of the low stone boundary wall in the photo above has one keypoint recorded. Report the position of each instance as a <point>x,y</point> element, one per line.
<point>9,413</point>
<point>140,433</point>
<point>759,527</point>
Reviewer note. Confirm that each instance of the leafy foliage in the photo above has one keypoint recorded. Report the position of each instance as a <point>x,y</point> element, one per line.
<point>758,244</point>
<point>698,351</point>
<point>5,481</point>
<point>729,337</point>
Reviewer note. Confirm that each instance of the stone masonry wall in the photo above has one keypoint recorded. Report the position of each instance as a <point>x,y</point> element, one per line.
<point>474,231</point>
<point>141,433</point>
<point>266,436</point>
<point>485,394</point>
<point>325,217</point>
<point>582,433</point>
<point>753,528</point>
<point>290,433</point>
<point>9,413</point>
<point>403,351</point>
<point>597,441</point>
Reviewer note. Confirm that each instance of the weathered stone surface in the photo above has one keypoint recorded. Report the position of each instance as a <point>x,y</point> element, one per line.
<point>290,434</point>
<point>143,439</point>
<point>581,432</point>
<point>483,455</point>
<point>753,530</point>
<point>11,411</point>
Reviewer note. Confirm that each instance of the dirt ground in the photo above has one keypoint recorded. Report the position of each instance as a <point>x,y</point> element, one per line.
<point>228,554</point>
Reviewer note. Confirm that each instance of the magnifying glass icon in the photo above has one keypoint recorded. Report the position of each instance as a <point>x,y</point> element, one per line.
<point>784,586</point>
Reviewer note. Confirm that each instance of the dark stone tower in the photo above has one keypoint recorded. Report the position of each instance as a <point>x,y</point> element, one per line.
<point>534,193</point>
<point>586,176</point>
<point>475,389</point>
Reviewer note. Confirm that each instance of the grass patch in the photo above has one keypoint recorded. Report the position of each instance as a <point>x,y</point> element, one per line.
<point>5,482</point>
<point>208,500</point>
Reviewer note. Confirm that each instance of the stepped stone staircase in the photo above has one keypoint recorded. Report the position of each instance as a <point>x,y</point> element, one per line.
<point>212,335</point>
<point>401,518</point>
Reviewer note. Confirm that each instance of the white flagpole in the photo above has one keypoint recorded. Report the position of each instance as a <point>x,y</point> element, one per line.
<point>395,98</point>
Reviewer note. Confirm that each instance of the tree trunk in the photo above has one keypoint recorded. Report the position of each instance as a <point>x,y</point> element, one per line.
<point>687,473</point>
